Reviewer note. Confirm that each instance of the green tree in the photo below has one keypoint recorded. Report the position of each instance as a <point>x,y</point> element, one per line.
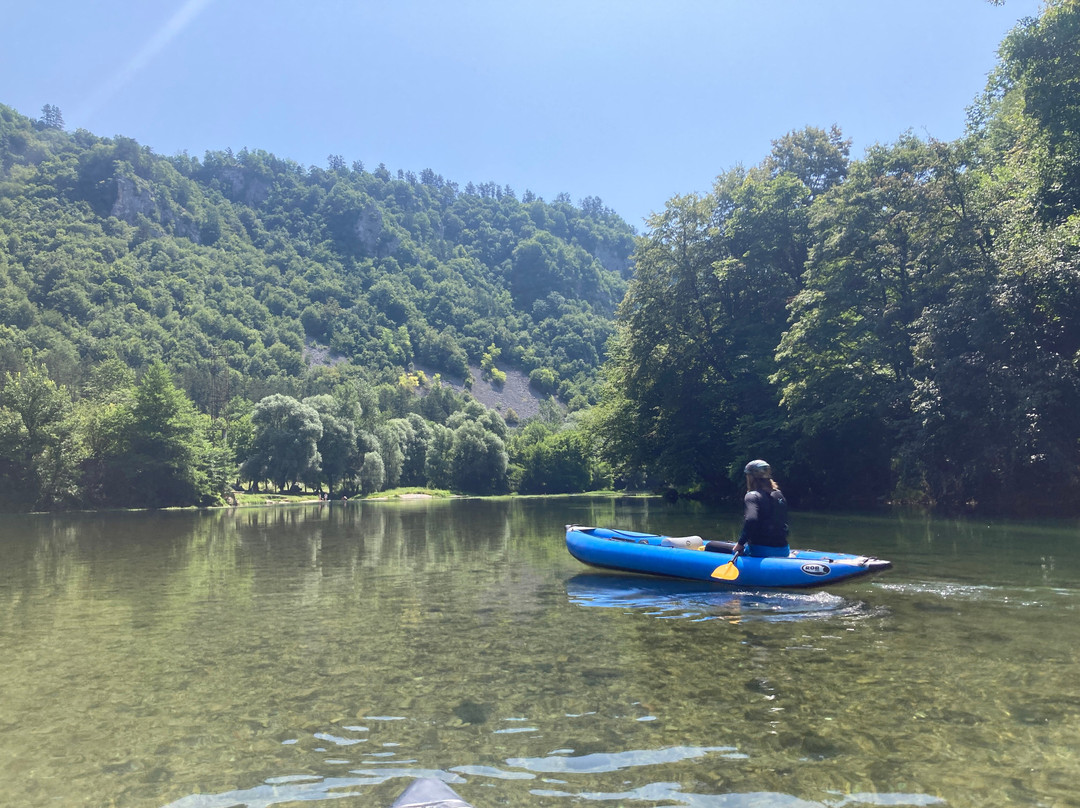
<point>437,462</point>
<point>818,159</point>
<point>478,460</point>
<point>337,444</point>
<point>1041,64</point>
<point>51,117</point>
<point>38,455</point>
<point>285,446</point>
<point>559,463</point>
<point>997,401</point>
<point>687,383</point>
<point>392,436</point>
<point>150,448</point>
<point>372,473</point>
<point>890,244</point>
<point>664,405</point>
<point>415,444</point>
<point>167,447</point>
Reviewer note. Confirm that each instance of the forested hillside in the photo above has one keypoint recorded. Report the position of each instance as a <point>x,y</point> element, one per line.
<point>236,269</point>
<point>112,251</point>
<point>901,327</point>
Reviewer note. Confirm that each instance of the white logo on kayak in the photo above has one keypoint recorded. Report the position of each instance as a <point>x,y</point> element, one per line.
<point>815,569</point>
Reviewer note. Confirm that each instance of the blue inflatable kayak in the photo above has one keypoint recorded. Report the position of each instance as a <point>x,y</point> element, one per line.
<point>692,558</point>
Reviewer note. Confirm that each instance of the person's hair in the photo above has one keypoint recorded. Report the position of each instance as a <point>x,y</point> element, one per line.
<point>764,484</point>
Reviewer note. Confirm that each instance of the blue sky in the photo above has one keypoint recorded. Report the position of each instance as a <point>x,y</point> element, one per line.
<point>630,101</point>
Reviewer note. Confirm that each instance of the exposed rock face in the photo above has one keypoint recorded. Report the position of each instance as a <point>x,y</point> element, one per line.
<point>374,238</point>
<point>368,228</point>
<point>320,355</point>
<point>515,394</point>
<point>135,198</point>
<point>243,187</point>
<point>612,259</point>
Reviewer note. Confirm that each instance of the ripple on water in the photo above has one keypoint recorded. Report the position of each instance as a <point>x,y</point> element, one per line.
<point>672,794</point>
<point>614,761</point>
<point>290,790</point>
<point>946,592</point>
<point>569,770</point>
<point>673,599</point>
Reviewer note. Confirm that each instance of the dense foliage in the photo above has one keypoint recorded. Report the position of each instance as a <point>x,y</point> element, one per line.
<point>110,251</point>
<point>249,278</point>
<point>901,327</point>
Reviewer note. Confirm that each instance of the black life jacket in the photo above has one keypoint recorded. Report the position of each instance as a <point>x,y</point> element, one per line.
<point>772,520</point>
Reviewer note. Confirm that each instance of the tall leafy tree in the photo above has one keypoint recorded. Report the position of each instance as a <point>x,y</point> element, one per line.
<point>478,460</point>
<point>51,117</point>
<point>890,244</point>
<point>562,462</point>
<point>150,449</point>
<point>38,455</point>
<point>372,473</point>
<point>437,462</point>
<point>166,443</point>
<point>688,389</point>
<point>285,448</point>
<point>818,159</point>
<point>997,401</point>
<point>393,436</point>
<point>337,444</point>
<point>665,404</point>
<point>1041,64</point>
<point>417,440</point>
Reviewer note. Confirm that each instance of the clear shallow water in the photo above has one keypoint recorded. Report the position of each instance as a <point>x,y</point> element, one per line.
<point>327,654</point>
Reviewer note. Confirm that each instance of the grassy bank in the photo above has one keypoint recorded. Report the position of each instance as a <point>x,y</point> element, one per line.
<point>266,498</point>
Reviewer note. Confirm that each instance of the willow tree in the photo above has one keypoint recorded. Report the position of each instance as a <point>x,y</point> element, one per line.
<point>285,445</point>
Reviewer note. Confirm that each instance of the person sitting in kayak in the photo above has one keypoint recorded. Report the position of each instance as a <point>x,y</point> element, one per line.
<point>765,529</point>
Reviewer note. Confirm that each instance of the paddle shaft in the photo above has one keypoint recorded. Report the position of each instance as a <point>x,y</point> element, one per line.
<point>728,571</point>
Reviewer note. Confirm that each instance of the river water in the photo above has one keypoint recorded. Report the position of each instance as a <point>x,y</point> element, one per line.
<point>325,654</point>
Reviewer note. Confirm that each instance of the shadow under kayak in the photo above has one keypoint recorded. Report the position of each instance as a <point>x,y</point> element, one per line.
<point>687,557</point>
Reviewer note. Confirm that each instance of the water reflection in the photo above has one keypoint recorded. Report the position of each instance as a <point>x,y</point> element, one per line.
<point>673,599</point>
<point>309,654</point>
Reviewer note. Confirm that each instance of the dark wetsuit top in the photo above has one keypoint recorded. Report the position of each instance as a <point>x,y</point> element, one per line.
<point>764,520</point>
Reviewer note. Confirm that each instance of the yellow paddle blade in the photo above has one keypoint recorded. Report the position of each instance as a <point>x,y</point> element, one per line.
<point>726,572</point>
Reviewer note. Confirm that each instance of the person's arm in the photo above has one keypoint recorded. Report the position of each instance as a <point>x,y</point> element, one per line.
<point>751,515</point>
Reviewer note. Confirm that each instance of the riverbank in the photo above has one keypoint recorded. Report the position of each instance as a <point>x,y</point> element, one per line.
<point>246,500</point>
<point>243,499</point>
